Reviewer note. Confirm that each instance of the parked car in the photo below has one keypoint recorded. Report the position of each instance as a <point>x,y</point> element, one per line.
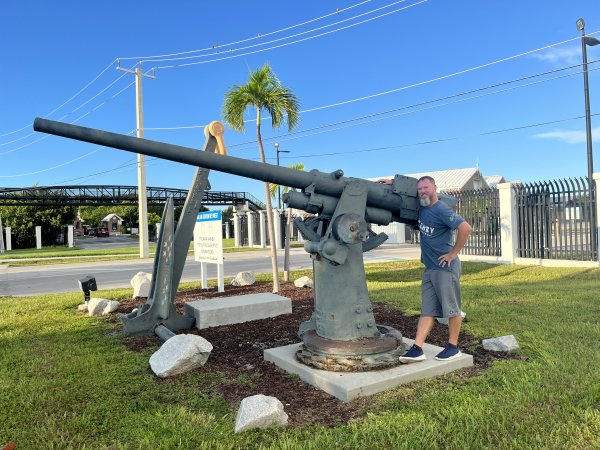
<point>102,231</point>
<point>92,232</point>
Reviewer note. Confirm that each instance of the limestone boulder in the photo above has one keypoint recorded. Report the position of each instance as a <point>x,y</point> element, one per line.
<point>180,354</point>
<point>260,411</point>
<point>501,344</point>
<point>82,307</point>
<point>304,282</point>
<point>101,306</point>
<point>243,279</point>
<point>140,283</point>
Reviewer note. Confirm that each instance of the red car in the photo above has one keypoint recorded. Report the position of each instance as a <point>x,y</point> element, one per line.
<point>102,231</point>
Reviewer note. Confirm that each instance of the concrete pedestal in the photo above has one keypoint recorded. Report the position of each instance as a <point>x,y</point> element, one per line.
<point>348,386</point>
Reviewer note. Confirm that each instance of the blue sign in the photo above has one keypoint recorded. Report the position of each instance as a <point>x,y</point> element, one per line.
<point>208,216</point>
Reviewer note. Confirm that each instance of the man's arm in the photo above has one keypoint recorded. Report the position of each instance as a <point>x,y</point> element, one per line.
<point>462,233</point>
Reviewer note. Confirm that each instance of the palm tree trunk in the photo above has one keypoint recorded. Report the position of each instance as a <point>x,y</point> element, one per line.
<point>269,212</point>
<point>286,258</point>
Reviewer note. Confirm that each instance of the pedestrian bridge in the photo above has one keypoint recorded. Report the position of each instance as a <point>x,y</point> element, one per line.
<point>96,195</point>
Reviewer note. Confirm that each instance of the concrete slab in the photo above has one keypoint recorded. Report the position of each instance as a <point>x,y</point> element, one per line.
<point>348,386</point>
<point>237,309</point>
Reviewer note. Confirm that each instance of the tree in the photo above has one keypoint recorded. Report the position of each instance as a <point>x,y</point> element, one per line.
<point>288,223</point>
<point>263,91</point>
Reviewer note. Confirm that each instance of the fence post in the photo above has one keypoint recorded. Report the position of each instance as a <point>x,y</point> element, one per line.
<point>509,236</point>
<point>251,231</point>
<point>38,237</point>
<point>263,228</point>
<point>277,222</point>
<point>596,177</point>
<point>8,242</point>
<point>70,236</point>
<point>236,230</point>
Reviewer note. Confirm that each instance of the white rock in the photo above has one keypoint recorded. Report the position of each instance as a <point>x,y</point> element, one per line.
<point>304,282</point>
<point>243,279</point>
<point>110,307</point>
<point>501,344</point>
<point>259,411</point>
<point>83,307</point>
<point>96,306</point>
<point>141,282</point>
<point>444,320</point>
<point>180,354</point>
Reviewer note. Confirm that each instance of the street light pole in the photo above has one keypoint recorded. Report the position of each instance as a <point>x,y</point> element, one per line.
<point>277,151</point>
<point>591,41</point>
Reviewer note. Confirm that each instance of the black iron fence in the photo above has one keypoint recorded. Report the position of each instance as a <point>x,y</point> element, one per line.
<point>243,221</point>
<point>481,208</point>
<point>256,228</point>
<point>555,220</point>
<point>23,238</point>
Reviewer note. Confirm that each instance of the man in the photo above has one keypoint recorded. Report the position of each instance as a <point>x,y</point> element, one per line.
<point>440,286</point>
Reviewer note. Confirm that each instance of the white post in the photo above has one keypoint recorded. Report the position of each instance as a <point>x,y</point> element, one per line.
<point>203,275</point>
<point>277,221</point>
<point>250,216</point>
<point>596,177</point>
<point>38,237</point>
<point>227,231</point>
<point>157,230</point>
<point>70,236</point>
<point>508,222</point>
<point>1,237</point>
<point>263,228</point>
<point>8,242</point>
<point>236,230</point>
<point>220,278</point>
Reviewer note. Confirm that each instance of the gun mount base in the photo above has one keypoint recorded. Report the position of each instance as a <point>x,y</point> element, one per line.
<point>352,356</point>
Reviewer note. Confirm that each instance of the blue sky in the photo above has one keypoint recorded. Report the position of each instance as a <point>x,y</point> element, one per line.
<point>427,53</point>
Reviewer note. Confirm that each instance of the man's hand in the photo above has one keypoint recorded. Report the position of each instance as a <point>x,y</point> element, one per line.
<point>446,259</point>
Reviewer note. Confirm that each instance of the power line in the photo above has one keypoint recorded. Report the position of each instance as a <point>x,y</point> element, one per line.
<point>66,101</point>
<point>318,108</point>
<point>275,40</point>
<point>292,42</point>
<point>380,113</point>
<point>259,36</point>
<point>437,141</point>
<point>72,122</point>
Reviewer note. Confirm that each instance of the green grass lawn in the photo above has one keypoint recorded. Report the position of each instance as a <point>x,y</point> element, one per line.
<point>67,381</point>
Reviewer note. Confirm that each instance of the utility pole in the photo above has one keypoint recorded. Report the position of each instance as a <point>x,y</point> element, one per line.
<point>142,200</point>
<point>591,41</point>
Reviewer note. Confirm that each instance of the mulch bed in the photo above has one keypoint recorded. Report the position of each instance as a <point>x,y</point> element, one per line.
<point>238,349</point>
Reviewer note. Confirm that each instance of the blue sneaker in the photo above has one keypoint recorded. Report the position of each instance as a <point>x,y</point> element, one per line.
<point>450,352</point>
<point>414,354</point>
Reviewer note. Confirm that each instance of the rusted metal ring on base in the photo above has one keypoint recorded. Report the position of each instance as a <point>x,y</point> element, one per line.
<point>352,356</point>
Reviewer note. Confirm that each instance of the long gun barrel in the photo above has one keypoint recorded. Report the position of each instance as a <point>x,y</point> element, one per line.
<point>400,199</point>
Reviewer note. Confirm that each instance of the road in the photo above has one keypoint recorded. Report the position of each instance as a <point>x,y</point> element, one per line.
<point>22,281</point>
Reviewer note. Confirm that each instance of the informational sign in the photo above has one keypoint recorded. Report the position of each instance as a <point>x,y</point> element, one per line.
<point>208,245</point>
<point>208,237</point>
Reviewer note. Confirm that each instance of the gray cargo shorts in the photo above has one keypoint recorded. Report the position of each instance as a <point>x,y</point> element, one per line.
<point>440,291</point>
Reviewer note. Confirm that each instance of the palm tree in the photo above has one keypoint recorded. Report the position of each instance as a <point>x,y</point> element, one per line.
<point>288,223</point>
<point>263,91</point>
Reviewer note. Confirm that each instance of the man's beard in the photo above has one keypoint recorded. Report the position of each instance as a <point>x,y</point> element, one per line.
<point>425,200</point>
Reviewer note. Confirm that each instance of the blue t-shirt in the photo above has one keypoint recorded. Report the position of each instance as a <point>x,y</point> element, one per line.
<point>436,224</point>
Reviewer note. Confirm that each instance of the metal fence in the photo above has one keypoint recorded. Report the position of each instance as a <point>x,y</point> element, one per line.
<point>256,229</point>
<point>243,221</point>
<point>481,208</point>
<point>555,220</point>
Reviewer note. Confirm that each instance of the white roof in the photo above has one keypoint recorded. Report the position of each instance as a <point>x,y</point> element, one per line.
<point>446,180</point>
<point>493,180</point>
<point>110,217</point>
